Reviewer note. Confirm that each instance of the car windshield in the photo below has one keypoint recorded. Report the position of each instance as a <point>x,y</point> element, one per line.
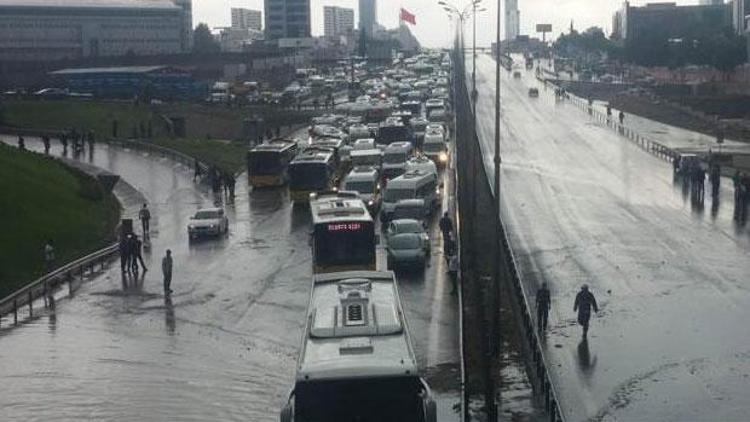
<point>409,227</point>
<point>434,146</point>
<point>405,241</point>
<point>361,187</point>
<point>206,215</point>
<point>393,195</point>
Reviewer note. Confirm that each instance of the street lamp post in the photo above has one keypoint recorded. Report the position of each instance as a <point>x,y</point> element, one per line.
<point>493,407</point>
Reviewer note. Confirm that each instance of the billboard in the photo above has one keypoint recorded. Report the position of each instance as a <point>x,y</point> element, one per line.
<point>543,27</point>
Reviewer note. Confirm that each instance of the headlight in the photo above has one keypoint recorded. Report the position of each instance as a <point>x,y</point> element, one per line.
<point>213,226</point>
<point>371,202</point>
<point>443,157</point>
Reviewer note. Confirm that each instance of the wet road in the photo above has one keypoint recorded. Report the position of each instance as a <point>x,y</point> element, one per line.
<point>584,205</point>
<point>225,346</point>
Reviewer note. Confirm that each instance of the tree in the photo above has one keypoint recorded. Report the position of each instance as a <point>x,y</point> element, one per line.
<point>203,40</point>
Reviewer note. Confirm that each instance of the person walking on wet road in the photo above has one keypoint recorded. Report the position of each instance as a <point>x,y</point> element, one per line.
<point>453,268</point>
<point>621,116</point>
<point>585,301</point>
<point>49,256</point>
<point>21,143</point>
<point>543,304</point>
<point>446,225</point>
<point>145,216</point>
<point>137,251</point>
<point>124,254</point>
<point>45,141</point>
<point>166,269</point>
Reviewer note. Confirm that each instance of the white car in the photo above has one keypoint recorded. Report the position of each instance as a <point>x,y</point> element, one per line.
<point>208,222</point>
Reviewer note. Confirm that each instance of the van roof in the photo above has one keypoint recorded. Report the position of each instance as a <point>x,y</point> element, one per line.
<point>355,327</point>
<point>410,178</point>
<point>398,146</point>
<point>345,207</point>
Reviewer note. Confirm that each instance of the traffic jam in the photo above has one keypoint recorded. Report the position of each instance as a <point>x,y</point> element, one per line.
<point>372,175</point>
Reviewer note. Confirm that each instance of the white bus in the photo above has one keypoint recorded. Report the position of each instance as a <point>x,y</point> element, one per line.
<point>416,184</point>
<point>395,156</point>
<point>356,361</point>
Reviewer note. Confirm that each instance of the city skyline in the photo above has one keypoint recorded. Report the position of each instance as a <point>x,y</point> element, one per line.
<point>559,13</point>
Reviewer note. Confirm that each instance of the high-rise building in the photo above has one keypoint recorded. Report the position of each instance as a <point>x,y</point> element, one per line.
<point>246,19</point>
<point>287,18</point>
<point>368,16</point>
<point>186,37</point>
<point>337,21</point>
<point>512,20</point>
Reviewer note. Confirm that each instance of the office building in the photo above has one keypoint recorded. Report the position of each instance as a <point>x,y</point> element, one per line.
<point>44,30</point>
<point>368,16</point>
<point>634,26</point>
<point>186,32</point>
<point>337,21</point>
<point>246,19</point>
<point>512,20</point>
<point>287,19</point>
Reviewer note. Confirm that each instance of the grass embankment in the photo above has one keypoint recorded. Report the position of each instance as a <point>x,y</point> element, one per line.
<point>43,199</point>
<point>226,155</point>
<point>203,123</point>
<point>82,115</point>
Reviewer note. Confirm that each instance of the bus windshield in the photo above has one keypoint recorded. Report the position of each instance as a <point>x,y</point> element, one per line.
<point>264,163</point>
<point>362,400</point>
<point>308,176</point>
<point>350,243</point>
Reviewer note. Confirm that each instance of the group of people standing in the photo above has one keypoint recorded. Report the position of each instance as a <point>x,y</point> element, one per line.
<point>219,180</point>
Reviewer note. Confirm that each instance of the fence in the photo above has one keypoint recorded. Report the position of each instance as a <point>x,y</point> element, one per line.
<point>536,362</point>
<point>46,285</point>
<point>655,148</point>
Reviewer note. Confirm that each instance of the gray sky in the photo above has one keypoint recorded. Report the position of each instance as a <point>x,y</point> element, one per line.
<point>433,28</point>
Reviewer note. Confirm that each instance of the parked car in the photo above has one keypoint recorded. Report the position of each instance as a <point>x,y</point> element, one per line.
<point>208,222</point>
<point>409,225</point>
<point>406,250</point>
<point>533,92</point>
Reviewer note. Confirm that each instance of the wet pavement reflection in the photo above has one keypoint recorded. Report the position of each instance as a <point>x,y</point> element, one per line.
<point>224,345</point>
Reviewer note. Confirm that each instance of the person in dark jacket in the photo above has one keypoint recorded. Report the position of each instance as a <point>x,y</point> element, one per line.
<point>585,301</point>
<point>138,254</point>
<point>543,304</point>
<point>446,225</point>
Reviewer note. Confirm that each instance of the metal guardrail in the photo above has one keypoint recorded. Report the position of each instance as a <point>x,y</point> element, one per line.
<point>541,379</point>
<point>652,147</point>
<point>46,285</point>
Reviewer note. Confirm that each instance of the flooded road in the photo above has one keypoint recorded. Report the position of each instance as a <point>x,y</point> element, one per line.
<point>225,346</point>
<point>584,205</point>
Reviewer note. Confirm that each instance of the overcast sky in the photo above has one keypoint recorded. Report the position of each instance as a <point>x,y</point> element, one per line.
<point>433,28</point>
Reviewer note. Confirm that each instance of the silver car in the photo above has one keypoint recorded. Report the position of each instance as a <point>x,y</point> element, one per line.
<point>208,222</point>
<point>408,225</point>
<point>406,250</point>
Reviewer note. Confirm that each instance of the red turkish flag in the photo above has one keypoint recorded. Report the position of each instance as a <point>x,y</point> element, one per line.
<point>407,16</point>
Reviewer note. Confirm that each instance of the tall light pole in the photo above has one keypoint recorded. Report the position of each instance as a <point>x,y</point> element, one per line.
<point>493,408</point>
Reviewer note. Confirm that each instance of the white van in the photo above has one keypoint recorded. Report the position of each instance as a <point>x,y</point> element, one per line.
<point>367,157</point>
<point>395,156</point>
<point>366,182</point>
<point>435,147</point>
<point>415,184</point>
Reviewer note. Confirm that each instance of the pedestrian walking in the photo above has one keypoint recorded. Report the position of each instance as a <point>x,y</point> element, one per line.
<point>166,269</point>
<point>585,301</point>
<point>231,183</point>
<point>131,265</point>
<point>21,143</point>
<point>196,169</point>
<point>138,254</point>
<point>145,216</point>
<point>64,141</point>
<point>45,141</point>
<point>453,267</point>
<point>543,304</point>
<point>621,116</point>
<point>446,225</point>
<point>124,253</point>
<point>49,256</point>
